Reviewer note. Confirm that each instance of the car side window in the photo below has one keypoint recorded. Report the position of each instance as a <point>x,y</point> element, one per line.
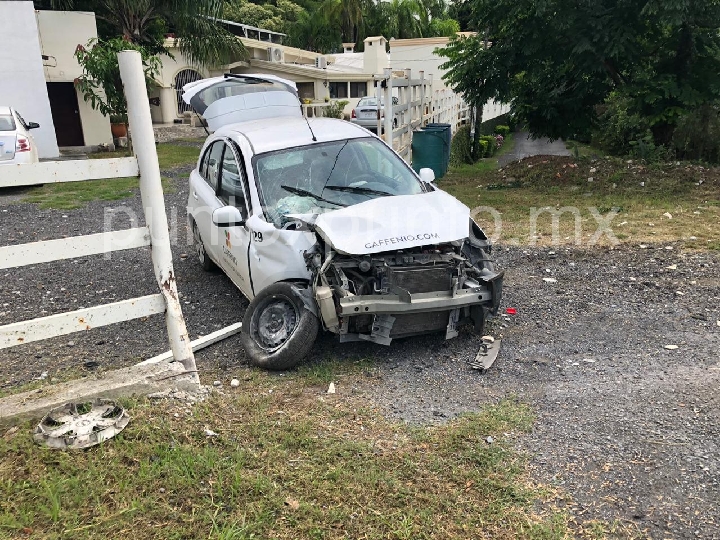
<point>231,181</point>
<point>204,163</point>
<point>214,161</point>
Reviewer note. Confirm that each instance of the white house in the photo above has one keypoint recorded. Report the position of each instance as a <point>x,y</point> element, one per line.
<point>22,81</point>
<point>419,55</point>
<point>38,73</point>
<point>76,122</point>
<point>346,76</point>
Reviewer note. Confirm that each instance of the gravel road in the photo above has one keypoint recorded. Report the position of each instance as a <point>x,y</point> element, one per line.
<point>628,429</point>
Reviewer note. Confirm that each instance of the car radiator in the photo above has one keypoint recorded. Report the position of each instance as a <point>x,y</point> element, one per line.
<point>422,279</point>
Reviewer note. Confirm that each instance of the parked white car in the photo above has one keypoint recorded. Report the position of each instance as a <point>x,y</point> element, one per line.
<point>321,225</point>
<point>366,112</point>
<point>16,143</point>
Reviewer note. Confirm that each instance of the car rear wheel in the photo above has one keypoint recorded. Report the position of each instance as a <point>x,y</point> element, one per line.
<point>278,331</point>
<point>199,246</point>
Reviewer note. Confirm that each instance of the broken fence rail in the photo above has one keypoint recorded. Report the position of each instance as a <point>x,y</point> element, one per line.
<point>155,234</point>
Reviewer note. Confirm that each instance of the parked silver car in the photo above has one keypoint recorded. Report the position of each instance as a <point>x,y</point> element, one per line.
<point>16,143</point>
<point>365,114</point>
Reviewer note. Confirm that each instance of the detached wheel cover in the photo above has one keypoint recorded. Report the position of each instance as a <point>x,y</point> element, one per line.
<point>273,322</point>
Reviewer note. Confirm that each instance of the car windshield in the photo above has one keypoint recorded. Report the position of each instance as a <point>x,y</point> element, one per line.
<point>324,177</point>
<point>7,122</point>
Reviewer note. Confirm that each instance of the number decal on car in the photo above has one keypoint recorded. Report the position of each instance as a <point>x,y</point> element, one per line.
<point>257,236</point>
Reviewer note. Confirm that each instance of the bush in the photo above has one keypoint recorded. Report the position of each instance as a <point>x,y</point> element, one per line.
<point>460,147</point>
<point>698,134</point>
<point>489,127</point>
<point>646,149</point>
<point>619,126</point>
<point>335,109</point>
<point>484,147</point>
<point>491,145</point>
<point>502,130</point>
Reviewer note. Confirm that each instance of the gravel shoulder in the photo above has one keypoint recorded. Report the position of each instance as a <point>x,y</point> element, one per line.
<point>626,428</point>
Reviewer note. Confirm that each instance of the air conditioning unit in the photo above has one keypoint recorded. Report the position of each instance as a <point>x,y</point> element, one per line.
<point>321,62</point>
<point>276,54</point>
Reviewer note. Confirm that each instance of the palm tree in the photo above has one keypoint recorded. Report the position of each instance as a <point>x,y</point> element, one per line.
<point>412,18</point>
<point>146,22</point>
<point>315,31</point>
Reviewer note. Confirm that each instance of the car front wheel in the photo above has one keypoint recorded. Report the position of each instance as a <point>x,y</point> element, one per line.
<point>278,331</point>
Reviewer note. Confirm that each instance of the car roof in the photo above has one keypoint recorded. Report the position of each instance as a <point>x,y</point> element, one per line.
<point>289,132</point>
<point>5,110</point>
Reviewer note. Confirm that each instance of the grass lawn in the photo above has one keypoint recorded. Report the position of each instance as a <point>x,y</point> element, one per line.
<point>76,194</point>
<point>289,461</point>
<point>643,195</point>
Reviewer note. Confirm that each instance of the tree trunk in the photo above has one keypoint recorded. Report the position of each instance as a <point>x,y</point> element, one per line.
<point>476,121</point>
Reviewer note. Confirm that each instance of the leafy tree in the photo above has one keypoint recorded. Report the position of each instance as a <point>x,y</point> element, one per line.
<point>558,60</point>
<point>145,22</point>
<point>443,27</point>
<point>277,17</point>
<point>315,32</point>
<point>100,82</point>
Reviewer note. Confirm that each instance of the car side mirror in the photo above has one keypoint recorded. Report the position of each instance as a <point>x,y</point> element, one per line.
<point>427,175</point>
<point>227,216</point>
<point>33,125</point>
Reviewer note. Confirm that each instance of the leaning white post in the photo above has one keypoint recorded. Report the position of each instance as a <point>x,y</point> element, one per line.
<point>138,105</point>
<point>388,108</point>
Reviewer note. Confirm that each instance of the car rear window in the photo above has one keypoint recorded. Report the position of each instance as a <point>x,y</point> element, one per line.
<point>365,102</point>
<point>7,122</point>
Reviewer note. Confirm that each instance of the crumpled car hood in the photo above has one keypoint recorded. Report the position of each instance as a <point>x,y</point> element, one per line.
<point>392,223</point>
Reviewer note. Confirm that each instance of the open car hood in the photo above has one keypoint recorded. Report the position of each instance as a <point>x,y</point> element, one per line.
<point>239,98</point>
<point>394,223</point>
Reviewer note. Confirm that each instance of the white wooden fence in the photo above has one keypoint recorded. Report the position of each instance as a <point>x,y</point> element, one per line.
<point>154,234</point>
<point>417,105</point>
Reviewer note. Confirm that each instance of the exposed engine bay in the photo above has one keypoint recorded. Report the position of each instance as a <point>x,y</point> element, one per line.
<point>380,296</point>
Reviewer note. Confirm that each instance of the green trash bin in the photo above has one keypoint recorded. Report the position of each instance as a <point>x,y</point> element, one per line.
<point>446,130</point>
<point>428,151</point>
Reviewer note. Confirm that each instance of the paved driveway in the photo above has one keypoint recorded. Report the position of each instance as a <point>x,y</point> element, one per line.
<point>525,146</point>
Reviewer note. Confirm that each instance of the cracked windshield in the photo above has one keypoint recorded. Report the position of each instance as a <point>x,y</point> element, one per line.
<point>324,177</point>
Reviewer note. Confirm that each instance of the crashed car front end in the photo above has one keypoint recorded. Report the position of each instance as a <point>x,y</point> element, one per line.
<point>398,293</point>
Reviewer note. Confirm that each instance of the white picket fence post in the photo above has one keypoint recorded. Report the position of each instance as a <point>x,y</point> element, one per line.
<point>133,78</point>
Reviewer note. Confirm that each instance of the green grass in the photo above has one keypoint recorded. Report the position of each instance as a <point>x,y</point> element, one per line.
<point>169,155</point>
<point>690,193</point>
<point>485,165</point>
<point>289,462</point>
<point>77,194</point>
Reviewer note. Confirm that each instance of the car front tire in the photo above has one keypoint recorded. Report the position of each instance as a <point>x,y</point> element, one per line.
<point>278,331</point>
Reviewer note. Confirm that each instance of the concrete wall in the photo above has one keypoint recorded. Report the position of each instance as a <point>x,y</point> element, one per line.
<point>60,34</point>
<point>22,79</point>
<point>418,55</point>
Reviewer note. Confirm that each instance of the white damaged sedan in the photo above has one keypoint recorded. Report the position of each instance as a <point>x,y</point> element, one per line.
<point>321,225</point>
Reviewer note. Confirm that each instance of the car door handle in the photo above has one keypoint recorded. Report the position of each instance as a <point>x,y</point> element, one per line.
<point>195,195</point>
